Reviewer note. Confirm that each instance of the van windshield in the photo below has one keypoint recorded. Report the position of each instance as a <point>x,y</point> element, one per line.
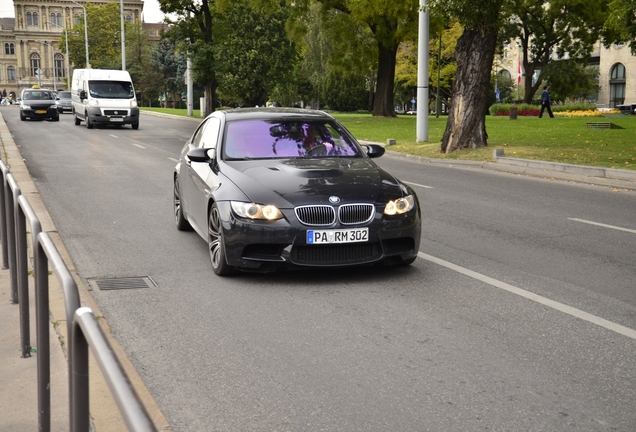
<point>111,89</point>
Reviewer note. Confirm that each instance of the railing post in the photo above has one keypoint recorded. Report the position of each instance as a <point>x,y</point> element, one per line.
<point>79,386</point>
<point>22,268</point>
<point>3,216</point>
<point>71,298</point>
<point>42,325</point>
<point>10,238</point>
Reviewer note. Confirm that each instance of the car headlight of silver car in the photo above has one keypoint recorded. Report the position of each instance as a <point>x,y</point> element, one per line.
<point>399,206</point>
<point>25,107</point>
<point>256,211</point>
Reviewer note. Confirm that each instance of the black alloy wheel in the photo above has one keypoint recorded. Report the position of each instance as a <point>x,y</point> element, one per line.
<point>216,245</point>
<point>181,222</point>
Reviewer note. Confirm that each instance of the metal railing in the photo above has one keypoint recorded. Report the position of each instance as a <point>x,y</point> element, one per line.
<point>83,331</point>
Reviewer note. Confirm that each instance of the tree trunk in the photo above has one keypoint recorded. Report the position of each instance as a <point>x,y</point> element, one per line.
<point>383,104</point>
<point>466,125</point>
<point>209,91</point>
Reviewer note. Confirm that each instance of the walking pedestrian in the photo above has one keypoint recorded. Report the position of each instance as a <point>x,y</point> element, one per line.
<point>545,102</point>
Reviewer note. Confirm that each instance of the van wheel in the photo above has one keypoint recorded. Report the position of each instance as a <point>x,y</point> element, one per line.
<point>135,125</point>
<point>89,125</point>
<point>77,120</point>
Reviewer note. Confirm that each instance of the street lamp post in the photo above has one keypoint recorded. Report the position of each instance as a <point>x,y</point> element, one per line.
<point>88,64</point>
<point>52,64</point>
<point>123,38</point>
<point>68,67</point>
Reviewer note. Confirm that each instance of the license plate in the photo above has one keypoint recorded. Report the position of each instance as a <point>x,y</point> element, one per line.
<point>40,112</point>
<point>337,236</point>
<point>116,119</point>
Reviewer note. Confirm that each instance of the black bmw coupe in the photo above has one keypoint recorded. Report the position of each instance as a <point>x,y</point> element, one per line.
<point>274,187</point>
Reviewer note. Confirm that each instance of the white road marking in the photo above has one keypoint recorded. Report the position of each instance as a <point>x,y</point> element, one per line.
<point>173,160</point>
<point>418,185</point>
<point>140,146</point>
<point>625,331</point>
<point>603,225</point>
<point>114,136</point>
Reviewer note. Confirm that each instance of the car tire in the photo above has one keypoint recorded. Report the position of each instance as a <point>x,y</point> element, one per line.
<point>56,118</point>
<point>216,244</point>
<point>77,120</point>
<point>135,125</point>
<point>180,220</point>
<point>89,125</point>
<point>22,118</point>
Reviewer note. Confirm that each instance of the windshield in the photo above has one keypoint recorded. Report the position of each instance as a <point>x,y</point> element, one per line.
<point>38,95</point>
<point>64,95</point>
<point>267,139</point>
<point>111,89</point>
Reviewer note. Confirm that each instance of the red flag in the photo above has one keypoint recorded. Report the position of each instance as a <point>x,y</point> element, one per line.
<point>518,71</point>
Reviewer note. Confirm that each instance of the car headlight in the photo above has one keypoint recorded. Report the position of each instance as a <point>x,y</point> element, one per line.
<point>93,103</point>
<point>399,206</point>
<point>256,211</point>
<point>133,104</point>
<point>53,106</point>
<point>25,107</point>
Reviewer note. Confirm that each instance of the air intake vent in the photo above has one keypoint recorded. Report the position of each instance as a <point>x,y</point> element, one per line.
<point>122,283</point>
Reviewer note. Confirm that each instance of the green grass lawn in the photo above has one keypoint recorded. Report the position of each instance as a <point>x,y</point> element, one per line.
<point>560,139</point>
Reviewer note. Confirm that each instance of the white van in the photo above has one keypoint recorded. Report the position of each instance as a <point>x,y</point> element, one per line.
<point>104,97</point>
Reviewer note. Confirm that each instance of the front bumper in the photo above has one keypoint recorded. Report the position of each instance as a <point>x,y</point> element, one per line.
<point>261,245</point>
<point>112,116</point>
<point>43,113</point>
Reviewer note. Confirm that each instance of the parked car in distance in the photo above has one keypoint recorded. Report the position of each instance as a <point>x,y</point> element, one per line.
<point>37,103</point>
<point>271,188</point>
<point>63,101</point>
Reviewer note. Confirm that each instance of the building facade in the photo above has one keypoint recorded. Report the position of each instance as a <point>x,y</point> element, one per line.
<point>29,43</point>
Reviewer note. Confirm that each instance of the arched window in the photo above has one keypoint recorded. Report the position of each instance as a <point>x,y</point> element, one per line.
<point>504,73</point>
<point>29,18</point>
<point>59,66</point>
<point>11,73</point>
<point>617,85</point>
<point>129,19</point>
<point>34,59</point>
<point>11,49</point>
<point>59,20</point>
<point>53,20</point>
<point>35,19</point>
<point>76,18</point>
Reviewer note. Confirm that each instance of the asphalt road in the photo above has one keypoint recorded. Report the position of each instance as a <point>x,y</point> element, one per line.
<point>519,315</point>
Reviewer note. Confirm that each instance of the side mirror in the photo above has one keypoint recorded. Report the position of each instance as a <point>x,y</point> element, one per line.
<point>82,95</point>
<point>374,150</point>
<point>202,155</point>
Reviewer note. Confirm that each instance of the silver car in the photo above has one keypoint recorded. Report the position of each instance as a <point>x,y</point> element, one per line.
<point>63,101</point>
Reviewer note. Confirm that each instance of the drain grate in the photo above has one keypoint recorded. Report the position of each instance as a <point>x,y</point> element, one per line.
<point>122,283</point>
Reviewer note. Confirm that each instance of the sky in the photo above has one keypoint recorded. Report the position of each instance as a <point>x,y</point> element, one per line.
<point>152,13</point>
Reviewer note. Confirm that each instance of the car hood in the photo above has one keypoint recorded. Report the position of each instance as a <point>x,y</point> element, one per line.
<point>33,103</point>
<point>288,183</point>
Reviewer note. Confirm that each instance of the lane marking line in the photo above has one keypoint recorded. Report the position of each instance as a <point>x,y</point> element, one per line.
<point>114,136</point>
<point>140,146</point>
<point>418,185</point>
<point>603,225</point>
<point>617,328</point>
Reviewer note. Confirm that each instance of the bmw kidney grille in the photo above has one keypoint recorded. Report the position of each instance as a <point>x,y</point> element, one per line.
<point>324,215</point>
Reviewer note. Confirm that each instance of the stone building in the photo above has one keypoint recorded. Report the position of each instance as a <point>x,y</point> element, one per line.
<point>29,52</point>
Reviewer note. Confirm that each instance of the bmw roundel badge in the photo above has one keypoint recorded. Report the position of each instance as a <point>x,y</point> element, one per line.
<point>334,199</point>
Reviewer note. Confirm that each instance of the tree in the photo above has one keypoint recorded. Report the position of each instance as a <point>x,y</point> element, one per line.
<point>565,29</point>
<point>570,79</point>
<point>139,62</point>
<point>192,32</point>
<point>104,38</point>
<point>171,65</point>
<point>466,124</point>
<point>389,23</point>
<point>621,23</point>
<point>252,51</point>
